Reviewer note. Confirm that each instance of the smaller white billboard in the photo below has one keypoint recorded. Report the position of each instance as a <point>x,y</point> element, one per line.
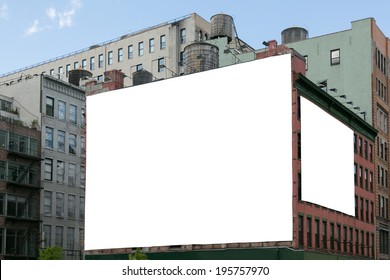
<point>327,160</point>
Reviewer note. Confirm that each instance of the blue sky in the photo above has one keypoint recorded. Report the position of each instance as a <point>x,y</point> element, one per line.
<point>35,31</point>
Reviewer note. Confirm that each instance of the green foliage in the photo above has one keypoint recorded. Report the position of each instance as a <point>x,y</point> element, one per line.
<point>50,253</point>
<point>138,255</point>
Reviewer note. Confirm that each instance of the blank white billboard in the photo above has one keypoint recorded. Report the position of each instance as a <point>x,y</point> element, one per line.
<point>199,159</point>
<point>327,160</point>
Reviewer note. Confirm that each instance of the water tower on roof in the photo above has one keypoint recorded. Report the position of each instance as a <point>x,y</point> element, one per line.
<point>294,34</point>
<point>221,26</point>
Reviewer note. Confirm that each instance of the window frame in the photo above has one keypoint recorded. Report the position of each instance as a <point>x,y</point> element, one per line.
<point>335,57</point>
<point>49,107</point>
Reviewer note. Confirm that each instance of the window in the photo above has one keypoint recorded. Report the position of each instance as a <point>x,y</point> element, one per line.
<point>181,58</point>
<point>67,69</point>
<point>3,139</point>
<point>362,243</point>
<point>356,207</point>
<point>299,145</point>
<point>139,67</point>
<point>130,51</point>
<point>161,65</point>
<point>51,72</point>
<point>140,48</point>
<point>61,110</point>
<point>151,45</point>
<point>357,241</point>
<point>360,146</point>
<point>120,55</point>
<point>81,238</point>
<point>60,205</point>
<point>300,230</point>
<point>309,231</point>
<point>182,36</point>
<point>365,148</point>
<point>361,175</point>
<point>110,57</point>
<point>72,174</point>
<point>60,72</point>
<point>371,181</point>
<point>361,209</point>
<point>82,207</point>
<point>84,64</point>
<point>324,235</point>
<point>48,169</point>
<point>383,241</point>
<point>381,119</point>
<point>92,63</point>
<point>331,236</point>
<point>2,205</point>
<point>59,236</point>
<point>367,212</point>
<point>70,240</point>
<point>47,236</point>
<point>366,178</point>
<point>370,152</point>
<point>82,117</point>
<point>61,141</point>
<point>82,176</point>
<point>355,173</point>
<point>338,237</point>
<point>71,206</point>
<point>82,146</point>
<point>100,78</point>
<point>47,203</point>
<point>73,114</point>
<point>76,65</point>
<point>335,57</point>
<point>372,212</point>
<point>101,60</point>
<point>382,206</point>
<point>60,171</point>
<point>12,205</point>
<point>49,106</point>
<point>317,233</point>
<point>72,144</point>
<point>162,42</point>
<point>351,240</point>
<point>306,62</point>
<point>345,239</point>
<point>299,186</point>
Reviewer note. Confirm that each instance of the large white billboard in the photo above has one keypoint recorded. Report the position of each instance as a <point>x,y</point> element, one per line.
<point>199,159</point>
<point>327,160</point>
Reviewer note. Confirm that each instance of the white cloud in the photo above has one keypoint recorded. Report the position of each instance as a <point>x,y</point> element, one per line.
<point>4,11</point>
<point>76,4</point>
<point>51,13</point>
<point>66,18</point>
<point>34,28</point>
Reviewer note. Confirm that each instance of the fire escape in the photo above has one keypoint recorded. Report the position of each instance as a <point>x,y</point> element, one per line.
<point>22,181</point>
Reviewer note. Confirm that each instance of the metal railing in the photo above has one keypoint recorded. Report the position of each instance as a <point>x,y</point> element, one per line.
<point>94,46</point>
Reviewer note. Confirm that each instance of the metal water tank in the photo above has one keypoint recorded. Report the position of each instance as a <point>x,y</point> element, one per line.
<point>142,77</point>
<point>199,57</point>
<point>294,34</point>
<point>221,26</point>
<point>77,74</point>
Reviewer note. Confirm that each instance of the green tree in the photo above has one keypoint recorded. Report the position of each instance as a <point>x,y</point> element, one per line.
<point>51,253</point>
<point>138,255</point>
